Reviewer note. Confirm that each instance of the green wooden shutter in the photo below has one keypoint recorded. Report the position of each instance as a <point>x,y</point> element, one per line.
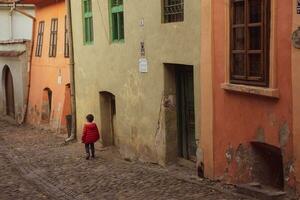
<point>88,22</point>
<point>116,20</point>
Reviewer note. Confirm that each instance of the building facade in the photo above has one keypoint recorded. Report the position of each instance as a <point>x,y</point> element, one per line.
<point>296,90</point>
<point>134,60</point>
<point>49,99</point>
<point>251,131</point>
<point>15,52</point>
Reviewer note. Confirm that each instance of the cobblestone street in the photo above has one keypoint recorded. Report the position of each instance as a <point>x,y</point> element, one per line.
<point>36,164</point>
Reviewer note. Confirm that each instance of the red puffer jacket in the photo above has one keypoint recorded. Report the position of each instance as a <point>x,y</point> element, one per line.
<point>90,133</point>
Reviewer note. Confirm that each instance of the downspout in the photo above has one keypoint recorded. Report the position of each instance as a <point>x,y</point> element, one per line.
<point>10,24</point>
<point>14,8</point>
<point>72,73</point>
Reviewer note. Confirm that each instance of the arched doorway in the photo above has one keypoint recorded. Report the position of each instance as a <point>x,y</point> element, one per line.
<point>9,92</point>
<point>46,105</point>
<point>107,116</point>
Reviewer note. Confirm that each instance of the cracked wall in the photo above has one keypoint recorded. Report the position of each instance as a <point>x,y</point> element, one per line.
<point>241,118</point>
<point>145,106</point>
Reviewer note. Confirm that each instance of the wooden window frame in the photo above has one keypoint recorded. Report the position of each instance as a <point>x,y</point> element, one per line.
<point>53,37</point>
<point>116,10</point>
<point>39,41</point>
<point>172,11</point>
<point>264,24</point>
<point>66,43</point>
<point>88,28</point>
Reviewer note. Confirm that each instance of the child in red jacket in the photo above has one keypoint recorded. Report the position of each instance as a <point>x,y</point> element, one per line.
<point>89,136</point>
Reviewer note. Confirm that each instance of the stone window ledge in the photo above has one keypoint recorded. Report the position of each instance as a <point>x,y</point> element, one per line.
<point>268,92</point>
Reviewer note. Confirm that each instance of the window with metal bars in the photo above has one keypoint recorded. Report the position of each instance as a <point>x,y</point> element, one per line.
<point>88,30</point>
<point>66,49</point>
<point>117,20</point>
<point>249,42</point>
<point>53,37</point>
<point>39,41</point>
<point>173,11</point>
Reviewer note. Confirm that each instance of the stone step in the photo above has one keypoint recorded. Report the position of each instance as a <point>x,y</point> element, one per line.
<point>258,191</point>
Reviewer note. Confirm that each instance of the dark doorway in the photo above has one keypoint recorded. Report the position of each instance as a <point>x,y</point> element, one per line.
<point>9,92</point>
<point>107,117</point>
<point>268,165</point>
<point>46,105</point>
<point>185,112</point>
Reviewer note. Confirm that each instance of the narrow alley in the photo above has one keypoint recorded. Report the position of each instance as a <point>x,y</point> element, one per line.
<point>35,164</point>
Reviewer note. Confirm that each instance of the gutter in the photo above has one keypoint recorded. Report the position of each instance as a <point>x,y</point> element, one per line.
<point>72,73</point>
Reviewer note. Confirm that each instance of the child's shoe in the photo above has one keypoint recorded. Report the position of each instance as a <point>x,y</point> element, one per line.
<point>87,156</point>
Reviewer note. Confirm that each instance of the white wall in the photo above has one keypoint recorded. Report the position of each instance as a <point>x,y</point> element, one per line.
<point>4,25</point>
<point>15,25</point>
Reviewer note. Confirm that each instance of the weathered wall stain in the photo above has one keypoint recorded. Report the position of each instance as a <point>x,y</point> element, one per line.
<point>260,134</point>
<point>284,133</point>
<point>230,153</point>
<point>141,98</point>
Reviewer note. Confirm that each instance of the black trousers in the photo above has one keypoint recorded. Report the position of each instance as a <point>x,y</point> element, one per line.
<point>90,147</point>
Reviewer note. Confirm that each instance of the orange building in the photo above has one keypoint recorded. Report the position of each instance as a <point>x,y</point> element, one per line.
<point>248,133</point>
<point>49,99</point>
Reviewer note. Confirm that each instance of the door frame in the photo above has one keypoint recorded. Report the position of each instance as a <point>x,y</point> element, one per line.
<point>170,110</point>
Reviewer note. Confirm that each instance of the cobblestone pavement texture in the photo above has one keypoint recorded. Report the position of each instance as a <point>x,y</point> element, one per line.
<point>35,164</point>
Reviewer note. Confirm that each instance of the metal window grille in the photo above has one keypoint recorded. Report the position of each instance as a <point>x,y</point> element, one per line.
<point>173,11</point>
<point>53,38</point>
<point>39,44</point>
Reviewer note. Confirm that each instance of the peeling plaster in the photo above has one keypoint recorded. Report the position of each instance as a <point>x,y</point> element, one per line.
<point>229,154</point>
<point>260,134</point>
<point>284,133</point>
<point>272,119</point>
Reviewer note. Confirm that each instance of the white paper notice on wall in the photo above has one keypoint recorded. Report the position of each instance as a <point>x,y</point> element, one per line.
<point>59,80</point>
<point>143,65</point>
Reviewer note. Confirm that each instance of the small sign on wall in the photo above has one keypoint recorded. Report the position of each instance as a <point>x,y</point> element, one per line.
<point>59,77</point>
<point>143,65</point>
<point>298,7</point>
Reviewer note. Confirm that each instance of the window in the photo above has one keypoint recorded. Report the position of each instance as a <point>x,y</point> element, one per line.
<point>88,34</point>
<point>39,44</point>
<point>67,50</point>
<point>173,11</point>
<point>249,43</point>
<point>117,20</point>
<point>53,38</point>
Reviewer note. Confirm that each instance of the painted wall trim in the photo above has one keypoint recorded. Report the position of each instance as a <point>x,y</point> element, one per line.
<point>206,90</point>
<point>296,98</point>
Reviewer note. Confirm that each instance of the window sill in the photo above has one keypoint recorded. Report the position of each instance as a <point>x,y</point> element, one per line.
<point>118,41</point>
<point>268,92</point>
<point>88,43</point>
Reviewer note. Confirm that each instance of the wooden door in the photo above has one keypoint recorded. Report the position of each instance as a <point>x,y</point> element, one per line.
<point>9,94</point>
<point>107,116</point>
<point>186,113</point>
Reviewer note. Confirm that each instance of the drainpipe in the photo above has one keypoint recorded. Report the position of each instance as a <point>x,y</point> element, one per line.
<point>14,8</point>
<point>10,24</point>
<point>72,73</point>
